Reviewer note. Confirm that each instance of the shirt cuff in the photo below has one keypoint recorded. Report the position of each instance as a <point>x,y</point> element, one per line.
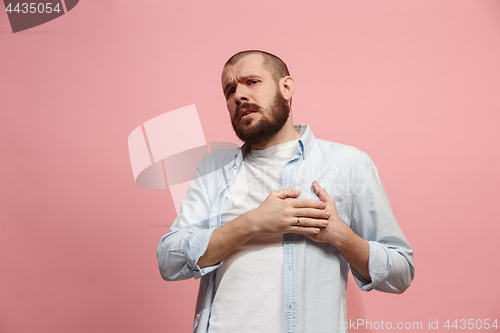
<point>195,248</point>
<point>378,267</point>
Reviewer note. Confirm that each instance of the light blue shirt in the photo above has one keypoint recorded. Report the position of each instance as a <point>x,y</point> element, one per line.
<point>315,274</point>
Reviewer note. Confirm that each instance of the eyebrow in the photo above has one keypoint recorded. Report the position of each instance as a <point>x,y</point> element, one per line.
<point>239,79</point>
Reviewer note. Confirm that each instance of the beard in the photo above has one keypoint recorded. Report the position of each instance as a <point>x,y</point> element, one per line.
<point>271,122</point>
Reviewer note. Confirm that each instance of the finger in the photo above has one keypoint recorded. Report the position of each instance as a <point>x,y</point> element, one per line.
<point>321,192</point>
<point>312,213</point>
<point>306,222</point>
<point>287,193</point>
<point>308,203</point>
<point>304,231</point>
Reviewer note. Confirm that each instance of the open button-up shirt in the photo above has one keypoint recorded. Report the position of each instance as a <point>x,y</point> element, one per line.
<point>315,274</point>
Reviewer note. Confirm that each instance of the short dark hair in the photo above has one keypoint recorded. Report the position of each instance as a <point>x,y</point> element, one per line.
<point>273,64</point>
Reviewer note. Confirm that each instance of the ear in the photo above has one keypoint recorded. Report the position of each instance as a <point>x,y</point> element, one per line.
<point>287,87</point>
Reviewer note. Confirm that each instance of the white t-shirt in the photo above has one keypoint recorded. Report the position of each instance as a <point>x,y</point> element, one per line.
<point>249,294</point>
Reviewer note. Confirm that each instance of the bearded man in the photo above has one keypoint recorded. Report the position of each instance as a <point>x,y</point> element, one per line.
<point>273,227</point>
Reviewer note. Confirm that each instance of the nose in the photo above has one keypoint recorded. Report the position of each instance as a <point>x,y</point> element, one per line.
<point>240,95</point>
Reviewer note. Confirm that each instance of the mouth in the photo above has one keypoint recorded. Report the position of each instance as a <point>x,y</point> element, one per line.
<point>245,112</point>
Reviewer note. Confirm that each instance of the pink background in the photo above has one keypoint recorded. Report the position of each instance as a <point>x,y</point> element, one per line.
<point>413,83</point>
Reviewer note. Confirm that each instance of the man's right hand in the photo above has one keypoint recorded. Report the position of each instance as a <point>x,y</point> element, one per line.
<point>280,212</point>
<point>277,214</point>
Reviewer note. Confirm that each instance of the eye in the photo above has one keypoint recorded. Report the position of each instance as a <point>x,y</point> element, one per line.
<point>230,92</point>
<point>254,81</point>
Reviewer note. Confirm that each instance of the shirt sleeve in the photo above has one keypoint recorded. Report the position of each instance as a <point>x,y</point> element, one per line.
<point>187,240</point>
<point>390,261</point>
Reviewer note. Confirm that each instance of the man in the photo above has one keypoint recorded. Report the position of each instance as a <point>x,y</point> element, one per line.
<point>272,228</point>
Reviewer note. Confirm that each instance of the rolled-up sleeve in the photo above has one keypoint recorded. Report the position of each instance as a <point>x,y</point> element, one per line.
<point>390,261</point>
<point>179,251</point>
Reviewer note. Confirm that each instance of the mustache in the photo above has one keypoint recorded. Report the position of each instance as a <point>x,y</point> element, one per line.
<point>246,105</point>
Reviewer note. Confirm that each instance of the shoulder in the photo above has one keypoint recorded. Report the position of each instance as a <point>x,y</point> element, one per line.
<point>341,152</point>
<point>219,158</point>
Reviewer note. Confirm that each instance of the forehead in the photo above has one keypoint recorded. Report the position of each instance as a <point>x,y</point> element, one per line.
<point>250,65</point>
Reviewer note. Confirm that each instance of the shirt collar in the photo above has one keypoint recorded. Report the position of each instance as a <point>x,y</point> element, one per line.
<point>306,140</point>
<point>305,144</point>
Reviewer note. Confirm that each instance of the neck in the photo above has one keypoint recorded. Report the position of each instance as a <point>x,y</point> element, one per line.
<point>286,134</point>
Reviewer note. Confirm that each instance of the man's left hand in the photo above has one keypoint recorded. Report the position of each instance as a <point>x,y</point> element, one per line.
<point>352,247</point>
<point>336,230</point>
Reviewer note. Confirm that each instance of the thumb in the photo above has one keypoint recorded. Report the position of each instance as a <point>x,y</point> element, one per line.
<point>321,192</point>
<point>287,193</point>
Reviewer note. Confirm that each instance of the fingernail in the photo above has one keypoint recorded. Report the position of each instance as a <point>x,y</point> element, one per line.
<point>316,229</point>
<point>328,214</point>
<point>325,223</point>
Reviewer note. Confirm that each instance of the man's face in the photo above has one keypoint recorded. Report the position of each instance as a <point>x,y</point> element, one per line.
<point>257,108</point>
